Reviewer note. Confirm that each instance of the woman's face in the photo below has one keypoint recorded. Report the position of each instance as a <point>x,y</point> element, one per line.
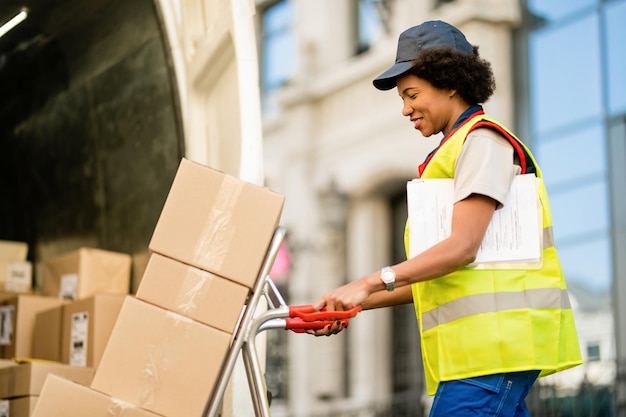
<point>431,109</point>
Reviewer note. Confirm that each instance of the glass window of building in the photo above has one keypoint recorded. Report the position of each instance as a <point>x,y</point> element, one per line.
<point>567,111</point>
<point>369,23</point>
<point>557,9</point>
<point>593,352</point>
<point>278,59</point>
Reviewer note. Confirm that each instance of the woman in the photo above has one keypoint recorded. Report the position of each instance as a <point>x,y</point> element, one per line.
<point>486,334</point>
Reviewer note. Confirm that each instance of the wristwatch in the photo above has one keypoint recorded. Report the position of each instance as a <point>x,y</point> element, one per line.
<point>389,277</point>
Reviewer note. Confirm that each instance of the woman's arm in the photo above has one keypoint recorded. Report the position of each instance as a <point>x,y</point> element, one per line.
<point>470,219</point>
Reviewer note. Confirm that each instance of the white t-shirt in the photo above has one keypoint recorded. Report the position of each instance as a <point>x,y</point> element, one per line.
<point>486,165</point>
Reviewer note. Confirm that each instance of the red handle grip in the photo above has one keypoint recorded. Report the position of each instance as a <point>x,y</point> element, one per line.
<point>300,326</point>
<point>306,313</point>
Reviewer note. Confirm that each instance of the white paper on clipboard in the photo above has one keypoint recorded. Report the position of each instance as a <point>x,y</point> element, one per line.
<point>512,240</point>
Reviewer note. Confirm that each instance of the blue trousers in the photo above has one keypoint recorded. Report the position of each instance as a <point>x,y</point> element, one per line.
<point>499,395</point>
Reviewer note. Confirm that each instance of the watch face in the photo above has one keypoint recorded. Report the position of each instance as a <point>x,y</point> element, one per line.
<point>388,276</point>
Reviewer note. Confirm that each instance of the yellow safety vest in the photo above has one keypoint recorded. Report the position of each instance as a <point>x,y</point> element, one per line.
<point>477,322</point>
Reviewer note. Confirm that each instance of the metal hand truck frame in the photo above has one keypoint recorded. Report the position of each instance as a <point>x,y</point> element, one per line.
<point>278,316</point>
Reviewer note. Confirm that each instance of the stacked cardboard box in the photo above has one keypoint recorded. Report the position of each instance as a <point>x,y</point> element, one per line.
<point>18,314</point>
<point>53,402</point>
<point>15,271</point>
<point>85,272</point>
<point>169,342</point>
<point>21,384</point>
<point>93,282</point>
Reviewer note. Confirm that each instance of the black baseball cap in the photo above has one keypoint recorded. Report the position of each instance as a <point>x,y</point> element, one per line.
<point>431,34</point>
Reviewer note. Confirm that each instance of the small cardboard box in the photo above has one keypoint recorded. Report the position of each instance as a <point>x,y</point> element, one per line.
<point>16,276</point>
<point>87,325</point>
<point>217,223</point>
<point>27,378</point>
<point>85,402</point>
<point>18,317</point>
<point>160,360</point>
<point>47,334</point>
<point>16,273</point>
<point>18,407</point>
<point>193,292</point>
<point>86,272</point>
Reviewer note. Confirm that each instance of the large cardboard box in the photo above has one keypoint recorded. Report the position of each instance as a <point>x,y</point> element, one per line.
<point>28,378</point>
<point>85,272</point>
<point>85,402</point>
<point>160,360</point>
<point>18,322</point>
<point>47,334</point>
<point>193,292</point>
<point>87,325</point>
<point>217,222</point>
<point>18,407</point>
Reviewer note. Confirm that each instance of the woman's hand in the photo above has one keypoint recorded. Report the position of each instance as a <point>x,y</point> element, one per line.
<point>329,330</point>
<point>347,296</point>
<point>343,298</point>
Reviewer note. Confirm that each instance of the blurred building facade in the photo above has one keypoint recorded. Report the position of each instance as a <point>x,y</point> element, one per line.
<point>341,152</point>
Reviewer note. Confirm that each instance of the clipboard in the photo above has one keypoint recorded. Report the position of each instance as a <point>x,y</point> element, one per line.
<point>513,239</point>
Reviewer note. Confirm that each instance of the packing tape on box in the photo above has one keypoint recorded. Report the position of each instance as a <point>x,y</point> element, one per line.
<point>119,407</point>
<point>191,288</point>
<point>219,229</point>
<point>158,360</point>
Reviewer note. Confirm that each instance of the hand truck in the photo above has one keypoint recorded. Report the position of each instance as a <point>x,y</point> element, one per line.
<point>277,316</point>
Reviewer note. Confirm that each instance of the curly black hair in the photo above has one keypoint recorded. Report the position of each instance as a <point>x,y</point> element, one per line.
<point>470,75</point>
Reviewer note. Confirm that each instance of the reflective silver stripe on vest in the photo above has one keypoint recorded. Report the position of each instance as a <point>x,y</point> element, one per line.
<point>548,238</point>
<point>493,302</point>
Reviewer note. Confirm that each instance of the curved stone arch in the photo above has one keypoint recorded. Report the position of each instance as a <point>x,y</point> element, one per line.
<point>212,49</point>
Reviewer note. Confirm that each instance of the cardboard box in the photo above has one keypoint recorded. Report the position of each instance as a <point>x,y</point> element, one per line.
<point>160,360</point>
<point>18,317</point>
<point>18,407</point>
<point>13,251</point>
<point>193,292</point>
<point>16,276</point>
<point>217,223</point>
<point>47,334</point>
<point>86,272</point>
<point>15,271</point>
<point>86,402</point>
<point>87,325</point>
<point>28,378</point>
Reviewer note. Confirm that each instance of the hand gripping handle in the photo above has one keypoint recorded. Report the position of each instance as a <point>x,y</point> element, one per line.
<point>298,325</point>
<point>307,313</point>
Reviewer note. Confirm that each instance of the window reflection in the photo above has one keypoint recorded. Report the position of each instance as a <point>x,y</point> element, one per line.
<point>580,211</point>
<point>279,55</point>
<point>556,9</point>
<point>568,126</point>
<point>588,263</point>
<point>369,26</point>
<point>574,155</point>
<point>565,74</point>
